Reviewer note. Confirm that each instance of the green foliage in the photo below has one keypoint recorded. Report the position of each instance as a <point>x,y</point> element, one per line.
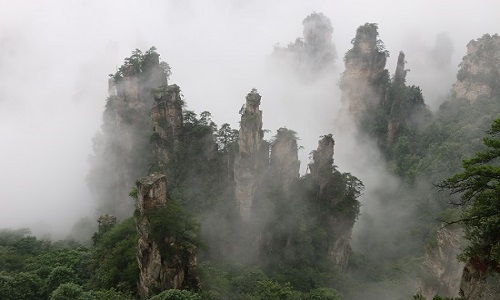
<point>111,294</point>
<point>226,138</point>
<point>178,225</point>
<point>176,295</point>
<point>324,294</point>
<point>21,286</point>
<point>60,275</point>
<point>106,223</point>
<point>133,192</point>
<point>268,289</point>
<point>113,259</point>
<point>253,283</point>
<point>216,282</point>
<point>479,187</point>
<point>67,291</point>
<point>286,134</point>
<point>41,266</point>
<point>420,297</point>
<point>140,62</point>
<point>367,33</point>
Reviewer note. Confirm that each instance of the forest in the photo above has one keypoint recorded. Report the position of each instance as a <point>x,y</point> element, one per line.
<point>189,209</point>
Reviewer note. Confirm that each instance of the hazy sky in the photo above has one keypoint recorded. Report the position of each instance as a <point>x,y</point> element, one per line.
<point>55,57</point>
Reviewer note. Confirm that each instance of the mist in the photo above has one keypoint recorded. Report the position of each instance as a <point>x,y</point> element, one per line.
<point>55,58</point>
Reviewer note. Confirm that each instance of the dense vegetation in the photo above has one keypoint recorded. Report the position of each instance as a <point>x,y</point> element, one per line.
<point>479,187</point>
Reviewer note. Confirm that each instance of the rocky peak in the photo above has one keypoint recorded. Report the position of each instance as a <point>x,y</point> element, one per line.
<point>322,164</point>
<point>285,164</point>
<point>167,119</point>
<point>119,151</point>
<point>248,164</point>
<point>252,102</point>
<point>400,74</point>
<point>158,270</point>
<point>106,221</point>
<point>479,73</point>
<point>318,43</point>
<point>397,100</point>
<point>337,221</point>
<point>365,41</point>
<point>309,56</point>
<point>151,191</point>
<point>251,134</point>
<point>364,82</point>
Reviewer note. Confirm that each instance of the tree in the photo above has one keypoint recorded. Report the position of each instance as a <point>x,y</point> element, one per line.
<point>114,260</point>
<point>67,291</point>
<point>176,295</point>
<point>61,275</point>
<point>21,286</point>
<point>324,294</point>
<point>479,190</point>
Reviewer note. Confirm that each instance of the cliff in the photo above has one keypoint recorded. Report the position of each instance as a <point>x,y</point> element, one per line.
<point>441,268</point>
<point>285,164</point>
<point>479,73</point>
<point>336,194</point>
<point>248,162</point>
<point>476,284</point>
<point>167,119</point>
<point>379,107</point>
<point>312,54</point>
<point>398,104</point>
<point>365,79</point>
<point>322,165</point>
<point>166,260</point>
<point>119,148</point>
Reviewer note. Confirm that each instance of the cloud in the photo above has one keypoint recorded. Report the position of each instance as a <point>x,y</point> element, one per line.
<point>55,57</point>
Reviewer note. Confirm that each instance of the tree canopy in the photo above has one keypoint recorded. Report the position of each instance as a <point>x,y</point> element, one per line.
<point>479,189</point>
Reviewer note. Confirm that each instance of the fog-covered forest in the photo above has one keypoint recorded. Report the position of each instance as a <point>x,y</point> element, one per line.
<point>249,150</point>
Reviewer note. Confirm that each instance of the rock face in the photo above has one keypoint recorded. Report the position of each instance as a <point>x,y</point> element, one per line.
<point>322,162</point>
<point>376,105</point>
<point>167,118</point>
<point>479,70</point>
<point>319,48</point>
<point>398,105</point>
<point>442,268</point>
<point>338,222</point>
<point>313,54</point>
<point>248,163</point>
<point>119,149</point>
<point>365,79</point>
<point>476,284</point>
<point>400,74</point>
<point>285,164</point>
<point>157,272</point>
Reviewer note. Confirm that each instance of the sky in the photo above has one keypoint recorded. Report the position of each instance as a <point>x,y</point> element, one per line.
<point>55,57</point>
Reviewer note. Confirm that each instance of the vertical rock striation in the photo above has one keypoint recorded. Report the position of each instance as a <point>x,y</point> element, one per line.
<point>167,118</point>
<point>322,165</point>
<point>285,164</point>
<point>364,82</point>
<point>397,105</point>
<point>441,268</point>
<point>119,149</point>
<point>248,163</point>
<point>340,208</point>
<point>158,270</point>
<point>477,284</point>
<point>479,74</point>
